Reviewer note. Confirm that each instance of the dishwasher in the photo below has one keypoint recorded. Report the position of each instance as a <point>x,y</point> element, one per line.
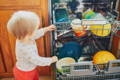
<point>90,25</point>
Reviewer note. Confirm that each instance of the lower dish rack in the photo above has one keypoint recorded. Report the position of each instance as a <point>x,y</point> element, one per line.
<point>86,70</point>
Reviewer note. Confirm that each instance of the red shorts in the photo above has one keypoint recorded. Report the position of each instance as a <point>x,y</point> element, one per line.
<point>25,75</point>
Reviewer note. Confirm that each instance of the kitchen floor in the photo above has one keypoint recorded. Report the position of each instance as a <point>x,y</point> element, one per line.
<point>41,78</point>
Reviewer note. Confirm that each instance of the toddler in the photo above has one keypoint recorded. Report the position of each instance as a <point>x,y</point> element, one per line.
<point>24,26</point>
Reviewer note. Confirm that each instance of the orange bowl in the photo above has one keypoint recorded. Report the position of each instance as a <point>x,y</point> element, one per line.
<point>102,57</point>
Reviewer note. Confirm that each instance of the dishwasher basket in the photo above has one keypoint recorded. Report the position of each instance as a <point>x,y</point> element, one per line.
<point>85,70</point>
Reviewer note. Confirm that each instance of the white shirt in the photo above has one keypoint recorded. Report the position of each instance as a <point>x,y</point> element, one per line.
<point>27,54</point>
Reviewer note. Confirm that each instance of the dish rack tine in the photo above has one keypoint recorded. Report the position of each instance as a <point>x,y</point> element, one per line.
<point>115,26</point>
<point>98,69</point>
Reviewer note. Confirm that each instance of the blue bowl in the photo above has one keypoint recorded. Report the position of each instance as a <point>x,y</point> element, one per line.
<point>71,49</point>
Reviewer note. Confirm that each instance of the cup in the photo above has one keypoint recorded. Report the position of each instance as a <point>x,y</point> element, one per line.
<point>78,29</point>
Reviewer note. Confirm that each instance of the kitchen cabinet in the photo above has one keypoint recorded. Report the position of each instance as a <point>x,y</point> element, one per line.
<point>116,40</point>
<point>116,45</point>
<point>7,41</point>
<point>20,3</point>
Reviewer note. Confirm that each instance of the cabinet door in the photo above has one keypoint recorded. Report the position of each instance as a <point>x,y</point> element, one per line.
<point>13,3</point>
<point>6,50</point>
<point>116,45</point>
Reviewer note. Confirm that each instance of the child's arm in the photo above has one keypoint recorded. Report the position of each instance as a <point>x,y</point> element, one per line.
<point>43,61</point>
<point>32,57</point>
<point>40,32</point>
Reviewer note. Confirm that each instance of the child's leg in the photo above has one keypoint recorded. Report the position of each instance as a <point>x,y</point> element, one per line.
<point>23,75</point>
<point>36,77</point>
<point>18,74</point>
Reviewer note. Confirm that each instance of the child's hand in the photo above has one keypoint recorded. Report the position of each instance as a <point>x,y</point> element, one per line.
<point>54,59</point>
<point>50,28</point>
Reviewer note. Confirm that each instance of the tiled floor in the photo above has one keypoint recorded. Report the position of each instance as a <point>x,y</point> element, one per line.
<point>41,78</point>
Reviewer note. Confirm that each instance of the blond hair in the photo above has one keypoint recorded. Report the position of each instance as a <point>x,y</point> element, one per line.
<point>23,23</point>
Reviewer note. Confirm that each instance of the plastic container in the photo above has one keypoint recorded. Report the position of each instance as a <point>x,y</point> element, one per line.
<point>78,29</point>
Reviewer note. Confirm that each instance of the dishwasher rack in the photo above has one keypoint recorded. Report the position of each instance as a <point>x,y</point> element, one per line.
<point>86,70</point>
